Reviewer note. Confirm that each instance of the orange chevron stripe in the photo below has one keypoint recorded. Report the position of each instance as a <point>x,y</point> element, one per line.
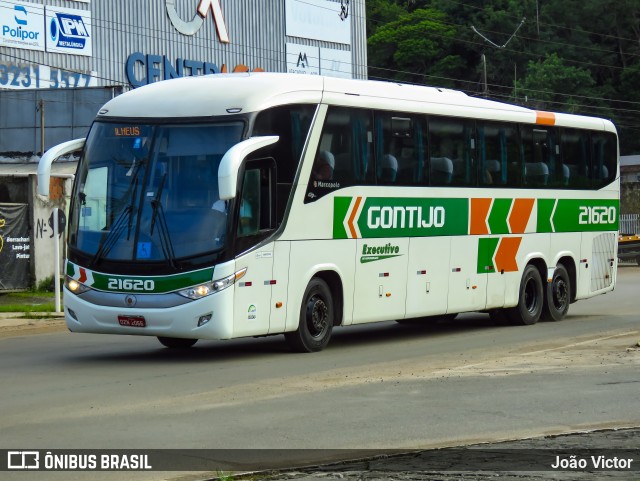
<point>520,213</point>
<point>350,223</point>
<point>479,212</point>
<point>506,254</point>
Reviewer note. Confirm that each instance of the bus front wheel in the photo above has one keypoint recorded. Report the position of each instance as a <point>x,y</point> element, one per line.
<point>176,342</point>
<point>530,300</point>
<point>558,295</point>
<point>316,319</point>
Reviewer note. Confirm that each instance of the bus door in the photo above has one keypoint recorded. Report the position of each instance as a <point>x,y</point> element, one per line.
<point>428,276</point>
<point>381,279</point>
<point>255,214</point>
<point>467,283</point>
<point>496,276</point>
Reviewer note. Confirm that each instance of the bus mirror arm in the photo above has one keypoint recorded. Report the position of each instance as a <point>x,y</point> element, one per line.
<point>232,161</point>
<point>44,166</point>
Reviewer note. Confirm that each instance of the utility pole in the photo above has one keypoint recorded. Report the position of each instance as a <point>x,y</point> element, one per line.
<point>41,109</point>
<point>485,90</point>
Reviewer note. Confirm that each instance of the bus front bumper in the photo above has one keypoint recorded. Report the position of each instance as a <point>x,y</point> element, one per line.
<point>206,318</point>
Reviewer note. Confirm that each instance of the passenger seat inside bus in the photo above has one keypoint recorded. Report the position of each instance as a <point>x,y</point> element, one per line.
<point>441,170</point>
<point>388,169</point>
<point>536,173</point>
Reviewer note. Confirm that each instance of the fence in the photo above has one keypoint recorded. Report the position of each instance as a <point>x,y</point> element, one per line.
<point>630,223</point>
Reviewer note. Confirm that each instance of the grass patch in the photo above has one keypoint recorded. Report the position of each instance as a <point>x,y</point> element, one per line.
<point>30,295</point>
<point>47,307</point>
<point>27,302</point>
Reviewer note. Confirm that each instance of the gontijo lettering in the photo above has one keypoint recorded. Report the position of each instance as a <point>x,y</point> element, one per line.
<point>410,216</point>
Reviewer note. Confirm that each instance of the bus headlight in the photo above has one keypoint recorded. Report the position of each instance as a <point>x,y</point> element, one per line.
<point>208,288</point>
<point>74,286</point>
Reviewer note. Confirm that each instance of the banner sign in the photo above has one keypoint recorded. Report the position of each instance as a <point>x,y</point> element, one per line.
<point>69,31</point>
<point>22,25</point>
<point>324,20</point>
<point>15,247</point>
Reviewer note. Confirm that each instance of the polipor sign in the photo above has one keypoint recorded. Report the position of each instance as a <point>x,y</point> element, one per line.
<point>203,9</point>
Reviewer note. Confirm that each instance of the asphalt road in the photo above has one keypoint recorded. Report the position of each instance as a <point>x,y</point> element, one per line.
<point>375,387</point>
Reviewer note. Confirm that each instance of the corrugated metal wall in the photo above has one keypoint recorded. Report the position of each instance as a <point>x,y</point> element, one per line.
<point>68,114</point>
<point>122,27</point>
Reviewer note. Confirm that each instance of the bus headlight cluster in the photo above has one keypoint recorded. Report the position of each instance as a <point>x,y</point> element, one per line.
<point>208,288</point>
<point>75,286</point>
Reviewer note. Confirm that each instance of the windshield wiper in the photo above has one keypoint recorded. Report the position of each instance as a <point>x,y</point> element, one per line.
<point>118,226</point>
<point>163,229</point>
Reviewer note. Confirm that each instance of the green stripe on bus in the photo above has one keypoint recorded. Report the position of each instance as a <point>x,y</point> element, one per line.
<point>498,216</point>
<point>578,215</point>
<point>545,209</point>
<point>486,250</point>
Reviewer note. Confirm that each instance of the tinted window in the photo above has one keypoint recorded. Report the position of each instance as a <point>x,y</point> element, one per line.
<point>451,151</point>
<point>344,156</point>
<point>400,149</point>
<point>575,158</point>
<point>498,154</point>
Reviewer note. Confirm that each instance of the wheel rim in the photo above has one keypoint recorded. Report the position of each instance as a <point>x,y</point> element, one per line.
<point>531,296</point>
<point>560,294</point>
<point>317,317</point>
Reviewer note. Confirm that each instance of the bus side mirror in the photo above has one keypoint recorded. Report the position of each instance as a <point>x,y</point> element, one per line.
<point>232,161</point>
<point>44,166</point>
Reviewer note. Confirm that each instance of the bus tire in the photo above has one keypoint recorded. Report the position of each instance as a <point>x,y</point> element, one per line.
<point>530,300</point>
<point>176,342</point>
<point>316,319</point>
<point>558,295</point>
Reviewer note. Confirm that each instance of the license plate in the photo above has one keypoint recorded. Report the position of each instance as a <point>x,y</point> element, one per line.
<point>132,321</point>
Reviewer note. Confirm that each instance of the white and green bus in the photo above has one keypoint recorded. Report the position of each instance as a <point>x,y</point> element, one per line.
<point>239,205</point>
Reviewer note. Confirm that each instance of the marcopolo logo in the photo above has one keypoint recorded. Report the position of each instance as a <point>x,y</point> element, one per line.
<point>69,31</point>
<point>20,32</point>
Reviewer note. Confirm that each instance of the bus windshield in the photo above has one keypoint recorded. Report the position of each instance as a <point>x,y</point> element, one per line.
<point>149,193</point>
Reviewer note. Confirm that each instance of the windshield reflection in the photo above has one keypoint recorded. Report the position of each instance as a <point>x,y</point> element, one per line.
<point>150,193</point>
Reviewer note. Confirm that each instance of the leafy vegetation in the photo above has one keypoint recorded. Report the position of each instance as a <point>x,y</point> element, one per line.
<point>577,56</point>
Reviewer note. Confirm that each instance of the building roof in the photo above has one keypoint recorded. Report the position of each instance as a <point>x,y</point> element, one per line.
<point>629,160</point>
<point>31,168</point>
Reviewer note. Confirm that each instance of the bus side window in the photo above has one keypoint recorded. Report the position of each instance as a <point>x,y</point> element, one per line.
<point>400,148</point>
<point>452,143</point>
<point>537,148</point>
<point>291,124</point>
<point>346,151</point>
<point>604,152</point>
<point>575,158</point>
<point>257,203</point>
<point>497,154</point>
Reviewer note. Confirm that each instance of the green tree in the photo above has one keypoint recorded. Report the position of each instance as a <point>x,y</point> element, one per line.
<point>415,48</point>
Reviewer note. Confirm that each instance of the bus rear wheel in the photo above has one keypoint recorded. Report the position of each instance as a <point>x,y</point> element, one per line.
<point>558,295</point>
<point>176,342</point>
<point>316,319</point>
<point>530,300</point>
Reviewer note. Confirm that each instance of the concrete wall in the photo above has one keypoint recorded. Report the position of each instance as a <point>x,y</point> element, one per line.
<point>42,231</point>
